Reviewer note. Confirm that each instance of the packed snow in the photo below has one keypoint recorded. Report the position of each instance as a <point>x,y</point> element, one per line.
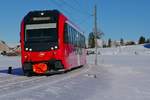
<point>121,74</point>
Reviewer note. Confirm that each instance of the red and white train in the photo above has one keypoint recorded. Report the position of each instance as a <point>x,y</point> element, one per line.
<point>50,42</point>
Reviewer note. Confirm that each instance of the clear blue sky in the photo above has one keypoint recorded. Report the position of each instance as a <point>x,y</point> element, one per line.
<point>128,19</point>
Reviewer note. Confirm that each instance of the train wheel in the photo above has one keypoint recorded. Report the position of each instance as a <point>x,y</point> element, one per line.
<point>28,74</point>
<point>27,69</point>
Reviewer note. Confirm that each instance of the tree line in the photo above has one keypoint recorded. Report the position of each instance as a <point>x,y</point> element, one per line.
<point>91,41</point>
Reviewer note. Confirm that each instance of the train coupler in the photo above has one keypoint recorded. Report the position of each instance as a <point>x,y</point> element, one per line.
<point>40,68</point>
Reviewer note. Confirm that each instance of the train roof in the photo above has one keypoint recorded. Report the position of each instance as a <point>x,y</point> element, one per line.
<point>46,12</point>
<point>74,26</point>
<point>39,13</point>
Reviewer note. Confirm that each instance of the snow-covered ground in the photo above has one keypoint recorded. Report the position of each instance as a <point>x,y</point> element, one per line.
<point>121,74</point>
<point>124,50</point>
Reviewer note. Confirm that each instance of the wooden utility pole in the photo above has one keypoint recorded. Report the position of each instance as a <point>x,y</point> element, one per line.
<point>95,32</point>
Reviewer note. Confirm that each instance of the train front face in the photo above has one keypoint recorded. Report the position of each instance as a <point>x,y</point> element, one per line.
<point>39,42</point>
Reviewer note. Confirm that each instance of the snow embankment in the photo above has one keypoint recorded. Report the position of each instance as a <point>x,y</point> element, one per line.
<point>124,50</point>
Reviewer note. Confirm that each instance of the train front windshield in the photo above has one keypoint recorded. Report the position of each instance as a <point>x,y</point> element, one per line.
<point>41,33</point>
<point>40,30</point>
<point>40,37</point>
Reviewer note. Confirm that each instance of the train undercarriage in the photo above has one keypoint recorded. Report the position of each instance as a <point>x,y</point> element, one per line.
<point>43,68</point>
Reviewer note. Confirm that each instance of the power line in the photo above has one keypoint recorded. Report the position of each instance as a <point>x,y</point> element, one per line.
<point>83,10</point>
<point>78,4</point>
<point>59,5</point>
<point>66,11</point>
<point>69,12</point>
<point>62,9</point>
<point>86,15</point>
<point>75,9</point>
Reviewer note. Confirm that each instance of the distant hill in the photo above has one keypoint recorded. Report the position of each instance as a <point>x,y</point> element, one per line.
<point>3,46</point>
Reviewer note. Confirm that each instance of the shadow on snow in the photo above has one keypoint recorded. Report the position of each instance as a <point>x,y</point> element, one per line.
<point>15,71</point>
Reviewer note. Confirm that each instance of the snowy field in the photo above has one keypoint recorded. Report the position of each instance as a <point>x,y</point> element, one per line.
<point>121,74</point>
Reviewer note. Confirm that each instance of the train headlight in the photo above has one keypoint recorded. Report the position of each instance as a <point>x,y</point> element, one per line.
<point>52,48</point>
<point>27,49</point>
<point>42,13</point>
<point>30,49</point>
<point>56,47</point>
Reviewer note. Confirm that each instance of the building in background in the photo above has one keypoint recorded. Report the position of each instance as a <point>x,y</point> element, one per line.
<point>3,46</point>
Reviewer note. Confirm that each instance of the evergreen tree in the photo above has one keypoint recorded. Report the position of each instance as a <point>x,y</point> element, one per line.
<point>109,43</point>
<point>141,40</point>
<point>91,40</point>
<point>121,41</point>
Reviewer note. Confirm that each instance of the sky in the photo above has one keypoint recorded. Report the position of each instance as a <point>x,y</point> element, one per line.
<point>127,19</point>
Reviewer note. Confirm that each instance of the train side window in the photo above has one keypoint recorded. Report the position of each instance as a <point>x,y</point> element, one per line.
<point>74,37</point>
<point>66,39</point>
<point>69,36</point>
<point>81,41</point>
<point>78,39</point>
<point>72,31</point>
<point>84,43</point>
<point>77,36</point>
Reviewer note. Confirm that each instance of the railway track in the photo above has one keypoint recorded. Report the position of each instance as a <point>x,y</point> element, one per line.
<point>22,83</point>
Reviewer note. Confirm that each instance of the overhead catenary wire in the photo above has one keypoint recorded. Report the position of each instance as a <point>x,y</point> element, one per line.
<point>70,7</point>
<point>69,10</point>
<point>58,5</point>
<point>85,16</point>
<point>76,9</point>
<point>81,10</point>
